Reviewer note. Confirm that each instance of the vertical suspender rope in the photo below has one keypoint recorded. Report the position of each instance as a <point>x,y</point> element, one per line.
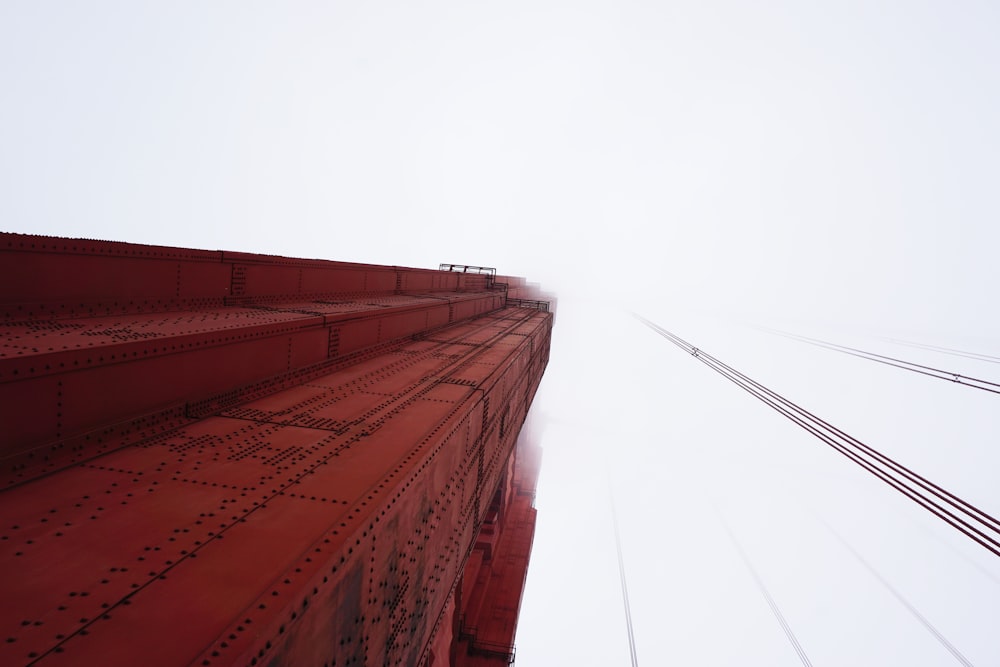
<point>947,350</point>
<point>950,376</point>
<point>621,576</point>
<point>903,601</point>
<point>767,596</point>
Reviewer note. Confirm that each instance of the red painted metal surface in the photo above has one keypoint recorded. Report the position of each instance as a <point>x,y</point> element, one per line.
<point>221,458</point>
<point>489,594</point>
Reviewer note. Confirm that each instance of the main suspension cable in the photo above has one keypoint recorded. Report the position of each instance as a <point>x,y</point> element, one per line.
<point>981,527</point>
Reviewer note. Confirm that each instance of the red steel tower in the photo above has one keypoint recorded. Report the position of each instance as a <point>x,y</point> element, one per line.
<point>215,458</point>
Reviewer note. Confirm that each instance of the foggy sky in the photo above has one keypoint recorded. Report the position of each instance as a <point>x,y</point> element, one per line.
<point>828,168</point>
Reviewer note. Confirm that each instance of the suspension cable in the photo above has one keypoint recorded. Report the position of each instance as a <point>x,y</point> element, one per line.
<point>981,527</point>
<point>989,358</point>
<point>950,376</point>
<point>621,577</point>
<point>767,595</point>
<point>899,598</point>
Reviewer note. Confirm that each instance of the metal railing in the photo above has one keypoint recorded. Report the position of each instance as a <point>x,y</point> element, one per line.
<point>528,303</point>
<point>467,268</point>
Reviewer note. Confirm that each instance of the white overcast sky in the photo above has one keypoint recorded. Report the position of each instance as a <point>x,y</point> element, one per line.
<point>831,168</point>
